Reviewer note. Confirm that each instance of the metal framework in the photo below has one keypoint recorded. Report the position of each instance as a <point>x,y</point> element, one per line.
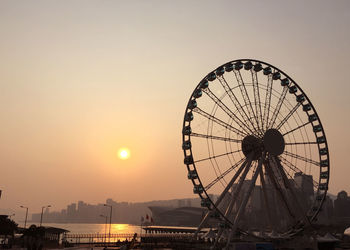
<point>253,139</point>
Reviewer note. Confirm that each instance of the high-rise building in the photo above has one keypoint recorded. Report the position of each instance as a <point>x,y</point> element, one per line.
<point>71,212</point>
<point>305,183</point>
<point>342,205</point>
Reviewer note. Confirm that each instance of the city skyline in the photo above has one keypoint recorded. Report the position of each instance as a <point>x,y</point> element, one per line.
<point>131,212</point>
<point>123,212</point>
<point>81,80</point>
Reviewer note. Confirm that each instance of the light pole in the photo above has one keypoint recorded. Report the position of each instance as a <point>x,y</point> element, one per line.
<point>110,221</point>
<point>105,216</point>
<point>42,211</point>
<point>25,221</point>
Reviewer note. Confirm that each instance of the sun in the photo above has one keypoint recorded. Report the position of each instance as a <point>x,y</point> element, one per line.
<point>124,153</point>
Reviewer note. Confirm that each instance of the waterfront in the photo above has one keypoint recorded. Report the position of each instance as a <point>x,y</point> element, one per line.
<point>79,228</point>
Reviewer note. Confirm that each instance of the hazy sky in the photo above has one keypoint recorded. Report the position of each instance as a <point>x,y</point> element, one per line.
<point>80,79</point>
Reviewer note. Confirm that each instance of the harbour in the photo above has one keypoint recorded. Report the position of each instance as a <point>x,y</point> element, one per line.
<point>125,236</point>
<point>92,228</point>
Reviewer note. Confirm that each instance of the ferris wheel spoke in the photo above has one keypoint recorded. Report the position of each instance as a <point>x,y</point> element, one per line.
<point>295,169</point>
<point>267,101</point>
<point>288,116</point>
<point>300,143</point>
<point>278,107</point>
<point>287,172</point>
<point>217,156</point>
<point>235,194</point>
<point>286,182</point>
<point>227,110</point>
<point>278,188</point>
<point>218,121</point>
<point>215,137</point>
<point>218,178</point>
<point>246,99</point>
<point>223,194</point>
<point>300,126</point>
<point>239,186</point>
<point>247,195</point>
<point>257,98</point>
<point>234,100</point>
<point>299,157</point>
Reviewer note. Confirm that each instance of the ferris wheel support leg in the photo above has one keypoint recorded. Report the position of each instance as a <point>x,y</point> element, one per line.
<point>238,189</point>
<point>221,197</point>
<point>220,231</point>
<point>241,209</point>
<point>291,190</point>
<point>234,197</point>
<point>235,194</point>
<point>269,172</point>
<point>264,190</point>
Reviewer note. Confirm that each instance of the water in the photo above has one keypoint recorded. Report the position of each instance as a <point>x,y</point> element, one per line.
<point>78,228</point>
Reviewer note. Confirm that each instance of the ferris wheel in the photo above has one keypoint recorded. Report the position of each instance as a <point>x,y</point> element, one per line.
<point>255,150</point>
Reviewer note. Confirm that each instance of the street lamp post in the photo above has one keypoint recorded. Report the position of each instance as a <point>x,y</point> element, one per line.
<point>105,216</point>
<point>25,221</point>
<point>110,221</point>
<point>42,211</point>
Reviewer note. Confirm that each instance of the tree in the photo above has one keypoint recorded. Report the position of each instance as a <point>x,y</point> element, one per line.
<point>7,226</point>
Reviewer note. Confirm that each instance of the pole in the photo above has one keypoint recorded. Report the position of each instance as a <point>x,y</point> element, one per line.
<point>110,224</point>
<point>106,230</point>
<point>140,231</point>
<point>140,228</point>
<point>42,211</point>
<point>25,221</point>
<point>105,235</point>
<point>110,221</point>
<point>41,217</point>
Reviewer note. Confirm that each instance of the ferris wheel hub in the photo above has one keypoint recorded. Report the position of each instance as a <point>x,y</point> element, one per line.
<point>252,145</point>
<point>273,142</point>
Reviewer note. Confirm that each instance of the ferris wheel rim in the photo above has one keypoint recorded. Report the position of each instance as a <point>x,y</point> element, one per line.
<point>206,195</point>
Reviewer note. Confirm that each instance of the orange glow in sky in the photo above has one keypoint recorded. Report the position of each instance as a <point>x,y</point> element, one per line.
<point>93,93</point>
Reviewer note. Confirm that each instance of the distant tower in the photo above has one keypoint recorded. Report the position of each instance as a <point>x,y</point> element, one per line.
<point>71,211</point>
<point>47,210</point>
<point>305,183</point>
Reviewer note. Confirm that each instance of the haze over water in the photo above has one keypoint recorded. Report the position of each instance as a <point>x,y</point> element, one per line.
<point>97,228</point>
<point>79,80</point>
